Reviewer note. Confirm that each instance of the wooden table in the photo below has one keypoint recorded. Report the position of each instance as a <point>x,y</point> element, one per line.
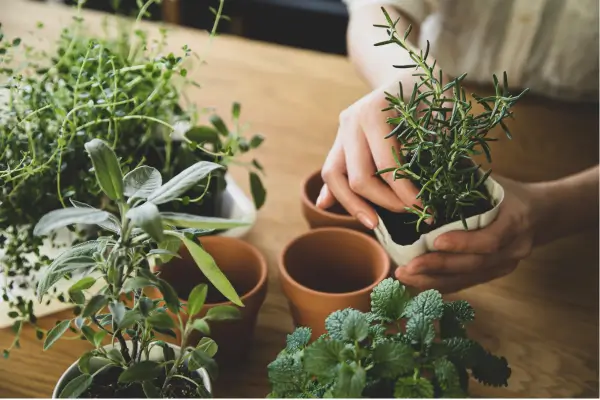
<point>543,318</point>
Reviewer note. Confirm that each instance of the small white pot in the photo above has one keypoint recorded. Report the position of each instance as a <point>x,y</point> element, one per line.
<point>96,363</point>
<point>402,255</point>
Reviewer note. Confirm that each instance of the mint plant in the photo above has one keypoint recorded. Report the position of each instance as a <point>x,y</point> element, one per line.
<point>404,348</point>
<point>123,87</point>
<point>118,266</point>
<point>438,133</point>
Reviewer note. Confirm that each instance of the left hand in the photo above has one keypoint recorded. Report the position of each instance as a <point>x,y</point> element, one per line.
<point>468,258</point>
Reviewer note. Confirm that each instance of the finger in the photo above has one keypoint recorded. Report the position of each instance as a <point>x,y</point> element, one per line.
<point>449,263</point>
<point>326,199</point>
<point>361,169</point>
<point>333,173</point>
<point>488,240</point>
<point>376,129</point>
<point>453,283</point>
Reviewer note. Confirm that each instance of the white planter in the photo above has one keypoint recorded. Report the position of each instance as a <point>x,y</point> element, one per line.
<point>155,355</point>
<point>233,203</point>
<point>402,255</point>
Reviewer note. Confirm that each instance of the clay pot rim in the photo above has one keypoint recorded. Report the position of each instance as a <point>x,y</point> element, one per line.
<point>381,253</point>
<point>313,206</point>
<point>262,280</point>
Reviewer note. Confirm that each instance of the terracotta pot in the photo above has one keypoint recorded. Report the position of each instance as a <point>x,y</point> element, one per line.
<point>318,218</point>
<point>329,269</point>
<point>246,269</point>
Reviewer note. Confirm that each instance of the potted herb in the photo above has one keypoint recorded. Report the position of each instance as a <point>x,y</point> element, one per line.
<point>125,88</point>
<point>403,348</point>
<point>119,319</point>
<point>438,134</point>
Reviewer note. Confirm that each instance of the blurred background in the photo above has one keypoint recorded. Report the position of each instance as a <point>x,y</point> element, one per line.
<point>311,24</point>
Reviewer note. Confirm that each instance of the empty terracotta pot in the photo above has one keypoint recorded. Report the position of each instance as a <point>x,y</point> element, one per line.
<point>329,269</point>
<point>246,269</point>
<point>334,216</point>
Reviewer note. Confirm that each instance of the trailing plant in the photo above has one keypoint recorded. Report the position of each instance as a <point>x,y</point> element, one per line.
<point>117,268</point>
<point>438,133</point>
<point>123,87</point>
<point>404,348</point>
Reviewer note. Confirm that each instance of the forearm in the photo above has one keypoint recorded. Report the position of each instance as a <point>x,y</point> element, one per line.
<point>375,63</point>
<point>566,206</point>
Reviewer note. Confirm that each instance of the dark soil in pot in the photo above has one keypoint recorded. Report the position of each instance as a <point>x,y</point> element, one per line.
<point>106,386</point>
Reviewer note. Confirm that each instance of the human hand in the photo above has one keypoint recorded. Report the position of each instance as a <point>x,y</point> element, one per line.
<point>359,151</point>
<point>468,258</point>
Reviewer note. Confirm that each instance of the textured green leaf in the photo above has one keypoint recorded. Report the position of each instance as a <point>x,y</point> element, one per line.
<point>182,182</point>
<point>351,381</point>
<point>223,313</point>
<point>147,217</point>
<point>334,323</point>
<point>76,387</point>
<point>139,372</point>
<point>55,333</point>
<point>491,370</point>
<point>196,299</point>
<point>68,216</point>
<point>322,357</point>
<point>428,304</point>
<point>112,224</point>
<point>420,330</point>
<point>298,339</point>
<point>142,182</point>
<point>389,299</point>
<point>107,168</point>
<point>446,374</point>
<point>392,359</point>
<point>355,327</point>
<point>410,388</point>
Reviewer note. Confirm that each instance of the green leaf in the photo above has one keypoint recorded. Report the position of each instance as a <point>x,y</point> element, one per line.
<point>131,317</point>
<point>68,216</point>
<point>392,359</point>
<point>334,323</point>
<point>170,243</point>
<point>84,362</point>
<point>55,333</point>
<point>199,359</point>
<point>322,357</point>
<point>410,388</point>
<point>388,300</point>
<point>428,304</point>
<point>219,125</point>
<point>235,110</point>
<point>107,168</point>
<point>211,271</point>
<point>161,320</point>
<point>151,391</point>
<point>117,309</point>
<point>355,327</point>
<point>203,134</point>
<point>456,315</point>
<point>148,218</point>
<point>182,182</point>
<point>88,332</point>
<point>83,284</point>
<point>115,355</point>
<point>446,374</point>
<point>223,313</point>
<point>112,224</point>
<point>201,326</point>
<point>420,330</point>
<point>169,295</point>
<point>139,372</point>
<point>136,283</point>
<point>491,370</point>
<point>259,193</point>
<point>76,387</point>
<point>95,304</point>
<point>256,141</point>
<point>146,306</point>
<point>298,339</point>
<point>208,346</point>
<point>142,182</point>
<point>350,382</point>
<point>99,337</point>
<point>181,220</point>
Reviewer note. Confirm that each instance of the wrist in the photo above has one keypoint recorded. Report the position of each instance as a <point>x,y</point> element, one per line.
<point>544,198</point>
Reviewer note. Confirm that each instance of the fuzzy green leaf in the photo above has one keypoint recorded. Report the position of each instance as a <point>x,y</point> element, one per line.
<point>392,359</point>
<point>76,387</point>
<point>142,182</point>
<point>322,357</point>
<point>298,339</point>
<point>181,220</point>
<point>106,167</point>
<point>334,323</point>
<point>182,182</point>
<point>63,217</point>
<point>170,244</point>
<point>139,372</point>
<point>223,313</point>
<point>355,327</point>
<point>112,224</point>
<point>147,217</point>
<point>55,333</point>
<point>389,299</point>
<point>410,388</point>
<point>350,382</point>
<point>428,304</point>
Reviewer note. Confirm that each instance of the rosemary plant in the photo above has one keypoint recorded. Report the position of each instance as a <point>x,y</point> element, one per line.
<point>122,87</point>
<point>117,265</point>
<point>439,134</point>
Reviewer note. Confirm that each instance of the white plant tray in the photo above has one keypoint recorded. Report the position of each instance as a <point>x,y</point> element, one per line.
<point>233,203</point>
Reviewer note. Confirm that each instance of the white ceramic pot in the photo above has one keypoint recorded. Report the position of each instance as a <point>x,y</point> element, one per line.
<point>402,255</point>
<point>156,354</point>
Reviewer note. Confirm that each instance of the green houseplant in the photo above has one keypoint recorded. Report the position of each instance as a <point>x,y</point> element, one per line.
<point>438,133</point>
<point>118,266</point>
<point>123,87</point>
<point>404,348</point>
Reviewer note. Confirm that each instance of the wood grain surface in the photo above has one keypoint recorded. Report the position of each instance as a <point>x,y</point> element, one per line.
<point>543,318</point>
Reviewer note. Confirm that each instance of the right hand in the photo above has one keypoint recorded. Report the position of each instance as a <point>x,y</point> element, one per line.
<point>358,152</point>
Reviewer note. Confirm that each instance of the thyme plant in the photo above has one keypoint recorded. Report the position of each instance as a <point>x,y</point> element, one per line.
<point>439,133</point>
<point>403,348</point>
<point>118,266</point>
<point>123,87</point>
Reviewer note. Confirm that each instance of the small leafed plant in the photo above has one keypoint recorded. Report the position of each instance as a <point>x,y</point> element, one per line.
<point>404,348</point>
<point>117,267</point>
<point>438,134</point>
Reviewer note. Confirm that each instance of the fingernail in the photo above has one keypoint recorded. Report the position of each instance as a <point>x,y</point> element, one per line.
<point>319,200</point>
<point>366,220</point>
